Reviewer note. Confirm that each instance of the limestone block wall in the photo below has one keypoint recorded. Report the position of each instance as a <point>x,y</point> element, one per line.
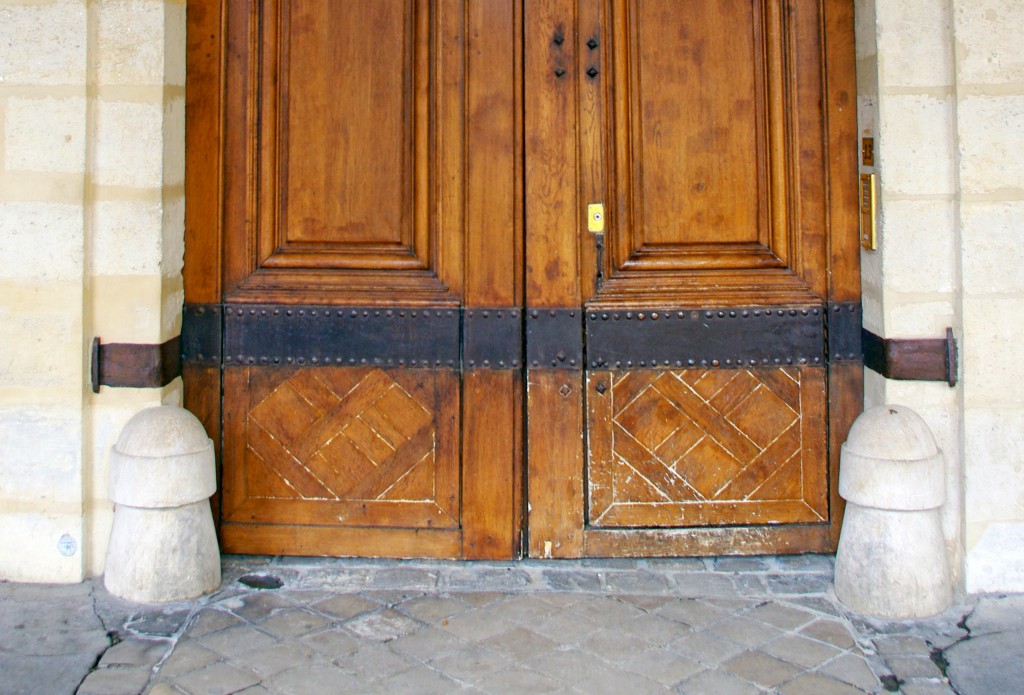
<point>911,284</point>
<point>91,229</point>
<point>989,104</point>
<point>940,87</point>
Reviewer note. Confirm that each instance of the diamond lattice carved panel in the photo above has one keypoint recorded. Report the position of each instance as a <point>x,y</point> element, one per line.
<point>706,447</point>
<point>348,446</point>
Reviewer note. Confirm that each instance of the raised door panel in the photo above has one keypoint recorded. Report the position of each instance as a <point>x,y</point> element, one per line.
<point>696,448</point>
<point>707,203</point>
<point>368,92</point>
<point>353,113</point>
<point>342,447</point>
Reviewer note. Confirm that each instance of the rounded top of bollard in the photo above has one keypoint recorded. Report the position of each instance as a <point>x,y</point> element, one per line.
<point>162,431</point>
<point>891,432</point>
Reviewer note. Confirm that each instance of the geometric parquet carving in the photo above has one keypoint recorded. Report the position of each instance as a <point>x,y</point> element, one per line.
<point>367,441</point>
<point>350,445</point>
<point>706,447</point>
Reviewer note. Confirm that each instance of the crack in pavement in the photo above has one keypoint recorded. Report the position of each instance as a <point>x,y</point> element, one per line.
<point>110,634</point>
<point>938,654</point>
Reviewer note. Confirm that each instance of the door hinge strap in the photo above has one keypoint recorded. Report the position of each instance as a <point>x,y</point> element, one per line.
<point>843,326</point>
<point>202,334</point>
<point>705,338</point>
<point>135,365</point>
<point>274,334</point>
<point>492,338</point>
<point>554,339</point>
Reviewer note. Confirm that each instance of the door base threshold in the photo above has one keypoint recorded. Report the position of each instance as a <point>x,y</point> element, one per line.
<point>724,577</point>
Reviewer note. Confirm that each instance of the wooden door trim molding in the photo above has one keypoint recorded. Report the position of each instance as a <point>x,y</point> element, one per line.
<point>204,169</point>
<point>406,241</point>
<point>275,539</point>
<point>751,540</point>
<point>845,381</point>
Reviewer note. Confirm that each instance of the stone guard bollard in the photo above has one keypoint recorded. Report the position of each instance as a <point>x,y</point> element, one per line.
<point>163,546</point>
<point>891,561</point>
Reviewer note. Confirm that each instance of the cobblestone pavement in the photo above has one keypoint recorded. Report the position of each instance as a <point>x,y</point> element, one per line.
<point>716,625</point>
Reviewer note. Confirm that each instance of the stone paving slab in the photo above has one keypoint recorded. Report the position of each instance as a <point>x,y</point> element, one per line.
<point>990,658</point>
<point>691,625</point>
<point>50,636</point>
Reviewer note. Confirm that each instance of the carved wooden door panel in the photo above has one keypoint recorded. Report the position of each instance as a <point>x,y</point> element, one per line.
<point>369,236</point>
<point>713,301</point>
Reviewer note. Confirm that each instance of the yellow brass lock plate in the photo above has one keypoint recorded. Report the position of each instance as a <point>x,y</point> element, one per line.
<point>595,218</point>
<point>868,212</point>
<point>867,152</point>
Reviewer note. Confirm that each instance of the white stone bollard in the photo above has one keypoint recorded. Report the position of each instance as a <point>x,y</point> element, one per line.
<point>891,561</point>
<point>163,546</point>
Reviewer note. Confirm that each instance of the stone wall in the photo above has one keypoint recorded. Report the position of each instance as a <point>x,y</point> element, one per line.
<point>910,283</point>
<point>91,229</point>
<point>989,59</point>
<point>940,90</point>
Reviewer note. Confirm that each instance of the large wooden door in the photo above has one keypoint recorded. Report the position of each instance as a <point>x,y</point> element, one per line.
<point>354,231</point>
<point>393,290</point>
<point>715,303</point>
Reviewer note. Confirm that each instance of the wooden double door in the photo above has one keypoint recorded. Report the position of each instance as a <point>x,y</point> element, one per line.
<point>475,278</point>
